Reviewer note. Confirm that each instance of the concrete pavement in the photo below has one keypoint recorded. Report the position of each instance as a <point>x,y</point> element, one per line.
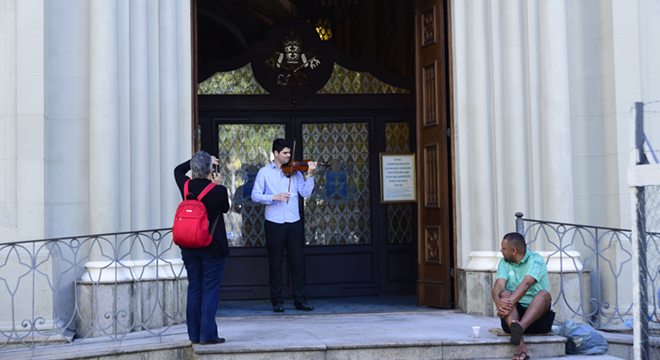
<point>410,333</point>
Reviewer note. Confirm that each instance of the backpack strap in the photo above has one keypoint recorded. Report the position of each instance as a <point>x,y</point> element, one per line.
<point>185,190</point>
<point>214,224</point>
<point>205,191</point>
<point>201,195</point>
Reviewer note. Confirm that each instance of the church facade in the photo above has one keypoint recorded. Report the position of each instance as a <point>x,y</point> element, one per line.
<point>101,100</point>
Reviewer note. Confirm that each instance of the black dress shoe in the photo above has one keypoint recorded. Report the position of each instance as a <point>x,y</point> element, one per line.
<point>278,308</point>
<point>194,341</point>
<point>304,307</point>
<point>216,341</point>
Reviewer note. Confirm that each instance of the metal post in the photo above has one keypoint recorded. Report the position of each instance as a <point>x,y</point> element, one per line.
<point>641,325</point>
<point>599,293</point>
<point>520,225</point>
<point>643,274</point>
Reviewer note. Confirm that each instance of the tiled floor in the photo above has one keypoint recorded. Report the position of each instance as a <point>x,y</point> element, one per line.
<point>324,306</point>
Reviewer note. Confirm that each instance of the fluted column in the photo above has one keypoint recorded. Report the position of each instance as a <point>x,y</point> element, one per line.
<point>184,87</point>
<point>154,110</point>
<point>461,132</point>
<point>140,134</point>
<point>126,179</point>
<point>555,112</point>
<point>478,103</point>
<point>103,118</point>
<point>515,101</point>
<point>531,13</point>
<point>168,107</point>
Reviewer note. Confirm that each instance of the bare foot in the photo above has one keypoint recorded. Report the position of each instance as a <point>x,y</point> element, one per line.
<point>523,353</point>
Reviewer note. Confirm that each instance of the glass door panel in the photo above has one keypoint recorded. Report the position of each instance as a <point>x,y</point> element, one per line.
<point>339,210</point>
<point>242,150</point>
<point>399,216</point>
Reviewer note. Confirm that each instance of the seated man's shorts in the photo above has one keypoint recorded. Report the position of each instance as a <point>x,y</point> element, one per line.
<point>542,325</point>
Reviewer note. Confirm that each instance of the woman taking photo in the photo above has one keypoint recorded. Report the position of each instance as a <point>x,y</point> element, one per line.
<point>206,264</point>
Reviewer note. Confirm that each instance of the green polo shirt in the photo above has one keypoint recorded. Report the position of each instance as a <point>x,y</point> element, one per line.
<point>533,265</point>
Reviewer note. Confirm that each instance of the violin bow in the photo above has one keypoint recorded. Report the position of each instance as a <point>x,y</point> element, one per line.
<point>292,166</point>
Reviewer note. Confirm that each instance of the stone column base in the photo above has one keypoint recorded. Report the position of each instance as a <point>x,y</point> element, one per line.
<point>115,308</point>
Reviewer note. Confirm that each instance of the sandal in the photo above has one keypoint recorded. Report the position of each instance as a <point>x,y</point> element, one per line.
<point>516,333</point>
<point>523,358</point>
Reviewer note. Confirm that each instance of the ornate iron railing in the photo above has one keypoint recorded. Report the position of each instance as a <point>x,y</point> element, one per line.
<point>604,254</point>
<point>107,285</point>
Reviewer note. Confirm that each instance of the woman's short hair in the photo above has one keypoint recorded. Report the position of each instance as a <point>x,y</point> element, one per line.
<point>201,164</point>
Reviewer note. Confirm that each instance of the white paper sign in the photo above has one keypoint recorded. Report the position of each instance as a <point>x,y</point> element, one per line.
<point>397,178</point>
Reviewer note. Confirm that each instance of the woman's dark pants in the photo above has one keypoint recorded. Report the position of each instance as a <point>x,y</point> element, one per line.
<point>204,277</point>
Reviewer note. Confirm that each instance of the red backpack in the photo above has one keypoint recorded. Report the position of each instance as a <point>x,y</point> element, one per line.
<point>191,222</point>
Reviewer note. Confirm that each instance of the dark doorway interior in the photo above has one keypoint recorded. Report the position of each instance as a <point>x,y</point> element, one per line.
<point>325,306</point>
<point>356,245</point>
<point>381,31</point>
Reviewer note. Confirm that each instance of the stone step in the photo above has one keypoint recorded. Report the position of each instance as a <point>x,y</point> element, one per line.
<point>429,335</point>
<point>576,357</point>
<point>548,347</point>
<point>21,340</point>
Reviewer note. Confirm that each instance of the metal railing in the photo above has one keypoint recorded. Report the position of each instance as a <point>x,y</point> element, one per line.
<point>107,285</point>
<point>604,254</point>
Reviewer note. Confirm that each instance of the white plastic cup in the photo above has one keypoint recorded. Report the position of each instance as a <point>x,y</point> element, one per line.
<point>476,330</point>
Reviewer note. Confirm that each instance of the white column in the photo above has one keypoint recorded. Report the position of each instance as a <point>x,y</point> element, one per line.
<point>9,122</point>
<point>499,137</point>
<point>478,103</point>
<point>461,132</point>
<point>103,118</point>
<point>515,108</point>
<point>533,79</point>
<point>126,179</point>
<point>555,112</point>
<point>154,111</point>
<point>139,110</point>
<point>184,66</point>
<point>168,109</point>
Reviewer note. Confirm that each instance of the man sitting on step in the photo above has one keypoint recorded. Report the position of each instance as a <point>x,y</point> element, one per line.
<point>522,293</point>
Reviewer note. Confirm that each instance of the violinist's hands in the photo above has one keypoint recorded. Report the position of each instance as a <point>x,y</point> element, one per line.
<point>311,166</point>
<point>282,197</point>
<point>504,306</point>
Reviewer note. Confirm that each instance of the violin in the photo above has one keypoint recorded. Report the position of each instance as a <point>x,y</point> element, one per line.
<point>294,166</point>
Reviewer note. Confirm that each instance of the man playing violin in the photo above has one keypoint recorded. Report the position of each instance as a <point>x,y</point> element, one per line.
<point>283,226</point>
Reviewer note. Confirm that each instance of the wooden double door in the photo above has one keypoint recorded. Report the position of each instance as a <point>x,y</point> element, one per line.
<point>354,244</point>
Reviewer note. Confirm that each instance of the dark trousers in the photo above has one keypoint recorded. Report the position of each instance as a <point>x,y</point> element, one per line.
<point>204,277</point>
<point>541,325</point>
<point>279,237</point>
